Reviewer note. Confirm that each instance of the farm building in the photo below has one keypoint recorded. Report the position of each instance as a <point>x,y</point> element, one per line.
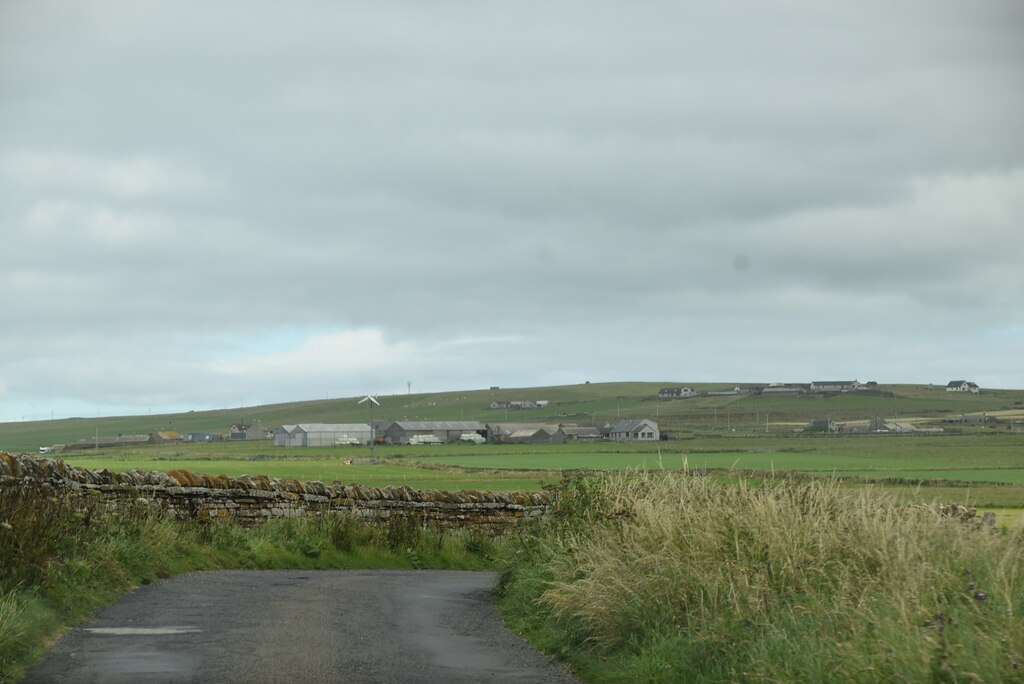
<point>676,392</point>
<point>782,391</point>
<point>165,437</point>
<point>247,432</point>
<point>962,386</point>
<point>517,404</point>
<point>197,437</point>
<point>526,433</point>
<point>836,386</point>
<point>635,430</point>
<point>582,433</point>
<point>448,431</point>
<point>321,434</point>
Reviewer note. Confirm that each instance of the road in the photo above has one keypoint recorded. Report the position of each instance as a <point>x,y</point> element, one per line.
<point>287,626</point>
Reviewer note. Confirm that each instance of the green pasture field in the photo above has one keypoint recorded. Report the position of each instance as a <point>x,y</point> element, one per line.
<point>566,404</point>
<point>970,457</point>
<point>327,470</point>
<point>982,469</point>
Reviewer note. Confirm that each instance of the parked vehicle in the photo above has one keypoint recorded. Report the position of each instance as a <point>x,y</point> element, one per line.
<point>424,439</point>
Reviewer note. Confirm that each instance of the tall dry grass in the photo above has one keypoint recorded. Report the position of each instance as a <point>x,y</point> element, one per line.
<point>676,578</point>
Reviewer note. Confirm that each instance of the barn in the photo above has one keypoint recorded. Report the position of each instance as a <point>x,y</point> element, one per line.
<point>448,431</point>
<point>321,434</point>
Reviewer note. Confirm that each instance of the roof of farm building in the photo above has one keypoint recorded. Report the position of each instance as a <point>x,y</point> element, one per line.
<point>440,425</point>
<point>329,427</point>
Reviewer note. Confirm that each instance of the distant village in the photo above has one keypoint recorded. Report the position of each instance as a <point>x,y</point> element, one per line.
<point>386,432</point>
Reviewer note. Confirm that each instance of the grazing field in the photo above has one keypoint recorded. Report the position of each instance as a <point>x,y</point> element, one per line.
<point>331,470</point>
<point>566,404</point>
<point>985,470</point>
<point>971,457</point>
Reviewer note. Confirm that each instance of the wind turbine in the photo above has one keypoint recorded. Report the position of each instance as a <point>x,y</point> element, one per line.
<point>373,438</point>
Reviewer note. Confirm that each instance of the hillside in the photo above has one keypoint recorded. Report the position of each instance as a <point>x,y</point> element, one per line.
<point>569,403</point>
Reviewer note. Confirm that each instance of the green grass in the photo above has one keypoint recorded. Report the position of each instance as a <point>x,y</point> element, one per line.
<point>995,458</point>
<point>329,471</point>
<point>984,459</point>
<point>667,578</point>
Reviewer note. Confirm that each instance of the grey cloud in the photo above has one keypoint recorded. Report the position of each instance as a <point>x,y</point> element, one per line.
<point>560,174</point>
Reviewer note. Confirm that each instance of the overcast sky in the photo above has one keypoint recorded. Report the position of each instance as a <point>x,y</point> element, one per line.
<point>210,204</point>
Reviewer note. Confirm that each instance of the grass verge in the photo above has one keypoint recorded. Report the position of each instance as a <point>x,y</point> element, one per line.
<point>672,578</point>
<point>64,556</point>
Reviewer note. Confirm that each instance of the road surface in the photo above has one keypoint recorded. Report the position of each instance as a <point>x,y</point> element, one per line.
<point>293,627</point>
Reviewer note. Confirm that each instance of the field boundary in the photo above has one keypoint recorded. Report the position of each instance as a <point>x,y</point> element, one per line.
<point>251,500</point>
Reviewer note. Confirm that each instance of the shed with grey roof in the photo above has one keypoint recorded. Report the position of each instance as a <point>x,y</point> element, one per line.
<point>321,434</point>
<point>448,431</point>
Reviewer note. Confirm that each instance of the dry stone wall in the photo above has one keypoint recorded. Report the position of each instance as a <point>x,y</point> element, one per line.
<point>251,499</point>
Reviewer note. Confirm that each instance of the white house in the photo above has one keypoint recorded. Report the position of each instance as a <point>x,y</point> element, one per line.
<point>635,430</point>
<point>962,386</point>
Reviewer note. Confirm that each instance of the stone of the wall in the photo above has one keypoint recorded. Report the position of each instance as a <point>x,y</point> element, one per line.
<point>251,499</point>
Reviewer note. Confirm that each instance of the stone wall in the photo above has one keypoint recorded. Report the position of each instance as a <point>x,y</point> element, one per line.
<point>250,500</point>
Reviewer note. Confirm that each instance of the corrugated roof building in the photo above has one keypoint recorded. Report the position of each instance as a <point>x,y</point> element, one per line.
<point>448,431</point>
<point>321,434</point>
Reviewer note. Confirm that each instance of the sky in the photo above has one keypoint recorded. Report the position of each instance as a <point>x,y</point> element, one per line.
<point>211,205</point>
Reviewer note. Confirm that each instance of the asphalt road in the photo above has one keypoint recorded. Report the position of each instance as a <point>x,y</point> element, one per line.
<point>372,626</point>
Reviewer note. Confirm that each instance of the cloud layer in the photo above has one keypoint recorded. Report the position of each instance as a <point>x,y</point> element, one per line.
<point>202,203</point>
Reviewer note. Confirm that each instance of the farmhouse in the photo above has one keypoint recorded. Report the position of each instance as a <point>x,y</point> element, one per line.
<point>836,386</point>
<point>447,431</point>
<point>676,392</point>
<point>321,434</point>
<point>635,430</point>
<point>247,432</point>
<point>962,386</point>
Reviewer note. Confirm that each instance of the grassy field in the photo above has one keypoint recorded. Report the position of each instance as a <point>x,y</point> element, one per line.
<point>569,403</point>
<point>981,466</point>
<point>381,475</point>
<point>981,469</point>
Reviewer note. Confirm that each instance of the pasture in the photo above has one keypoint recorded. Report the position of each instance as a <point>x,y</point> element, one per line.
<point>722,414</point>
<point>980,469</point>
